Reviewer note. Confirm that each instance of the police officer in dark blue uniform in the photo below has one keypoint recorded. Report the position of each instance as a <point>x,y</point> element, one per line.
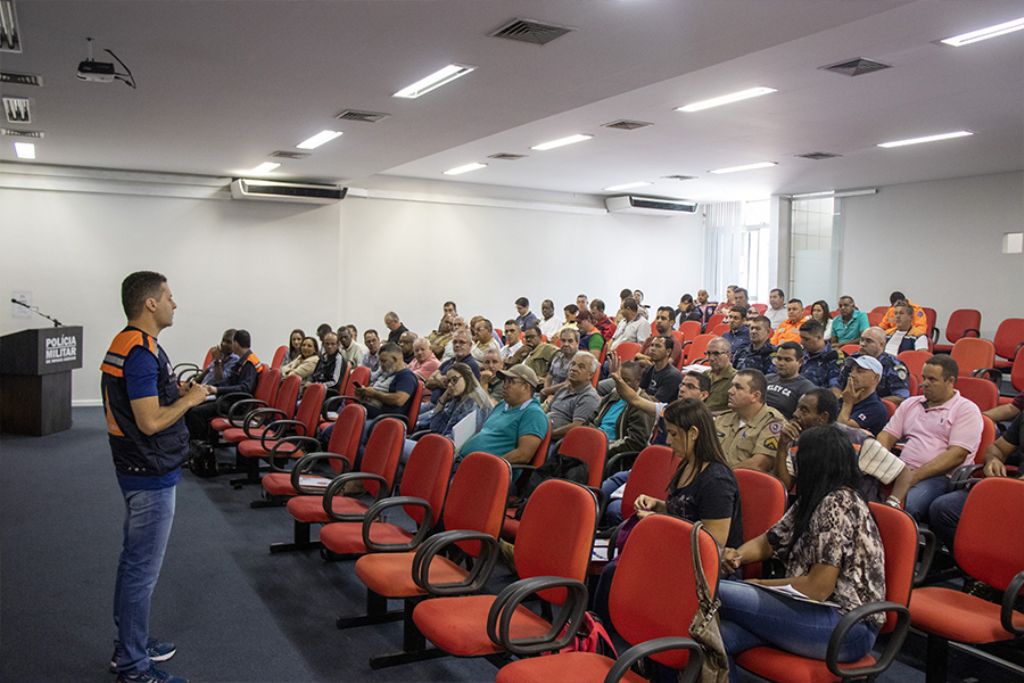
<point>822,364</point>
<point>758,354</point>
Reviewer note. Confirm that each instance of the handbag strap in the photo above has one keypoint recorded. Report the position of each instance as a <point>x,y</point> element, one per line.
<point>703,591</point>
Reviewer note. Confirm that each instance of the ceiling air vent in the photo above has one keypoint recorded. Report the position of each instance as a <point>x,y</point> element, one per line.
<point>10,36</point>
<point>855,67</point>
<point>286,154</point>
<point>21,133</point>
<point>626,124</point>
<point>21,79</point>
<point>678,177</point>
<point>363,116</point>
<point>278,191</point>
<point>506,156</point>
<point>17,110</point>
<point>818,156</point>
<point>530,31</point>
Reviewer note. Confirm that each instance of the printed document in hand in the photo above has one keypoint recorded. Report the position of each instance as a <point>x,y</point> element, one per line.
<point>791,592</point>
<point>464,428</point>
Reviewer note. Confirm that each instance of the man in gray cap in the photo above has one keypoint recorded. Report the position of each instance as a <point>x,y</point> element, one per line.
<point>861,405</point>
<point>517,424</point>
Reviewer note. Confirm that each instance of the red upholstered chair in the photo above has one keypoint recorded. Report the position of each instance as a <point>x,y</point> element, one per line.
<point>761,308</point>
<point>714,321</point>
<point>279,355</point>
<point>890,407</point>
<point>850,349</point>
<point>234,407</point>
<point>719,329</point>
<point>982,392</point>
<point>1008,340</point>
<point>420,495</point>
<point>473,511</point>
<point>255,421</point>
<point>930,317</point>
<point>357,375</point>
<point>1016,376</point>
<point>698,349</point>
<point>913,384</point>
<point>554,540</point>
<point>914,360</point>
<point>877,314</point>
<point>376,472</point>
<point>627,350</point>
<point>963,322</point>
<point>762,504</point>
<point>987,547</point>
<point>652,602</point>
<point>689,329</point>
<point>973,354</point>
<point>899,538</point>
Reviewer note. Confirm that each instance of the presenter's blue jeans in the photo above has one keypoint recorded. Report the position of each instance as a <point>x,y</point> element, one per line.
<point>147,526</point>
<point>752,617</point>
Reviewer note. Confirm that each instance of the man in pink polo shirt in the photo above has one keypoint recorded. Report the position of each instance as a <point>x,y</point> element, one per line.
<point>942,430</point>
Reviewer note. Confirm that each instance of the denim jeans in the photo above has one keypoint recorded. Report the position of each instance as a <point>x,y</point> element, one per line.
<point>921,495</point>
<point>944,515</point>
<point>752,617</point>
<point>147,526</point>
<point>613,512</point>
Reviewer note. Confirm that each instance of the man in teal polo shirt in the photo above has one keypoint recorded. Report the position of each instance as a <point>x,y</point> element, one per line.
<point>849,324</point>
<point>517,425</point>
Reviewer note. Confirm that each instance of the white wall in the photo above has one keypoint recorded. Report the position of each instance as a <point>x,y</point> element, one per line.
<point>940,243</point>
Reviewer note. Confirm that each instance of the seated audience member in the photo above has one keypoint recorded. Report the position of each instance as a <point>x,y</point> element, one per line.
<point>461,353</point>
<point>944,512</point>
<point>789,329</point>
<point>222,360</point>
<point>424,362</point>
<point>549,324</point>
<point>569,323</point>
<point>707,308</point>
<point>392,389</point>
<point>535,354</point>
<point>786,385</point>
<point>687,310</point>
<point>440,337</point>
<point>525,317</point>
<point>321,331</point>
<point>294,345</point>
<point>633,328</point>
<point>849,324</point>
<point>590,337</point>
<point>820,312</point>
<point>739,298</point>
<point>577,401</point>
<point>1007,411</point>
<point>558,372</point>
<point>776,311</point>
<point>942,430</point>
<point>738,335</point>
<point>582,302</point>
<point>483,339</point>
<point>702,488</point>
<point>758,354</point>
<point>392,322</point>
<point>405,342</point>
<point>822,364</point>
<point>305,364</point>
<point>901,338</point>
<point>730,298</point>
<point>604,324</point>
<point>462,396</point>
<point>818,408</point>
<point>517,425</point>
<point>893,386</point>
<point>458,325</point>
<point>330,370</point>
<point>371,358</point>
<point>861,406</point>
<point>749,432</point>
<point>920,324</point>
<point>353,351</point>
<point>643,308</point>
<point>722,373</point>
<point>628,427</point>
<point>663,328</point>
<point>490,380</point>
<point>624,294</point>
<point>661,379</point>
<point>513,340</point>
<point>832,553</point>
<point>242,379</point>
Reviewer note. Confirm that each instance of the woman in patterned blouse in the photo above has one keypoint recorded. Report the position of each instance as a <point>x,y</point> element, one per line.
<point>833,557</point>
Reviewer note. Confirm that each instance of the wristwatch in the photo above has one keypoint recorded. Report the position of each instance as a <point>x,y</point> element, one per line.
<point>894,502</point>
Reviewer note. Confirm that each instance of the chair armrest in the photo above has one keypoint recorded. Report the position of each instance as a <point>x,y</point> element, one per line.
<point>226,404</point>
<point>335,489</point>
<point>1009,600</point>
<point>416,436</point>
<point>184,366</point>
<point>935,334</point>
<point>306,462</point>
<point>892,647</point>
<point>961,475</point>
<point>187,371</point>
<point>927,555</point>
<point>296,441</point>
<point>563,626</point>
<point>991,374</point>
<point>277,429</point>
<point>627,659</point>
<point>253,418</point>
<point>331,403</point>
<point>478,575</point>
<point>379,507</point>
<point>612,466</point>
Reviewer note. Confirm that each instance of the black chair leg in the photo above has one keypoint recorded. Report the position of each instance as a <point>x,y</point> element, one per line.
<point>300,540</point>
<point>936,660</point>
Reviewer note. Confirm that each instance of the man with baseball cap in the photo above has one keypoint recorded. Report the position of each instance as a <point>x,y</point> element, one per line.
<point>517,425</point>
<point>861,405</point>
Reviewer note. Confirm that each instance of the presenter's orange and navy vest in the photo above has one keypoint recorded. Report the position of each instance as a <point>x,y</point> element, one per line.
<point>134,452</point>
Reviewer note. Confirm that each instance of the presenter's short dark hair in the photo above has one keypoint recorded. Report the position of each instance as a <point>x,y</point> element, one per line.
<point>138,287</point>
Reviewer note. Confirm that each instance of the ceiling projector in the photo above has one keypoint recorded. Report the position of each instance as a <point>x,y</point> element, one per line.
<point>96,72</point>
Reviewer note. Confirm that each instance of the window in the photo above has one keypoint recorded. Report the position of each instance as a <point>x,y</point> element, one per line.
<point>738,241</point>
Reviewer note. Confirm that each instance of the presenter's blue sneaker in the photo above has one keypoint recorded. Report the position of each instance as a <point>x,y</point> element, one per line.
<point>153,675</point>
<point>158,652</point>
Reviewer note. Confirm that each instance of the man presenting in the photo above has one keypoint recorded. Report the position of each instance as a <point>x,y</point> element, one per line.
<point>144,407</point>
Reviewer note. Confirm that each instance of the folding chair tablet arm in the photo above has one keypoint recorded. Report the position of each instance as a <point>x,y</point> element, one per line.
<point>278,428</point>
<point>478,575</point>
<point>963,474</point>
<point>296,441</point>
<point>931,544</point>
<point>1009,600</point>
<point>627,659</point>
<point>335,489</point>
<point>892,646</point>
<point>253,419</point>
<point>499,618</point>
<point>236,404</point>
<point>378,508</point>
<point>305,464</point>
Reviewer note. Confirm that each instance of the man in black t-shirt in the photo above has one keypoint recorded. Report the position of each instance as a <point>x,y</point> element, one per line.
<point>787,385</point>
<point>661,379</point>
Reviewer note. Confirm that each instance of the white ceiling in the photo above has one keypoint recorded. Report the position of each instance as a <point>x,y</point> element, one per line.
<point>223,84</point>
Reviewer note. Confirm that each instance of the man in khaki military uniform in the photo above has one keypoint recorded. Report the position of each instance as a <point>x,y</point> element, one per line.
<point>750,431</point>
<point>535,354</point>
<point>722,374</point>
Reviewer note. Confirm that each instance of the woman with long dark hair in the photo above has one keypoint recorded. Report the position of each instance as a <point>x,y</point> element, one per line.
<point>820,312</point>
<point>833,557</point>
<point>294,345</point>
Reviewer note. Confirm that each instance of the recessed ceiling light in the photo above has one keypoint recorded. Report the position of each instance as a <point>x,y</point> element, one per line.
<point>926,138</point>
<point>265,167</point>
<point>465,168</point>
<point>745,167</point>
<point>561,142</point>
<point>985,33</point>
<point>434,81</point>
<point>626,186</point>
<point>318,139</point>
<point>25,150</point>
<point>726,99</point>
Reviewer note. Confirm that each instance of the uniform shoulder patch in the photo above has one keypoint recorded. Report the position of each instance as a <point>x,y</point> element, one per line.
<point>775,428</point>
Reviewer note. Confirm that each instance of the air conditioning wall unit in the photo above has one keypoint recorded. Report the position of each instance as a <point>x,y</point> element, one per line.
<point>279,191</point>
<point>651,206</point>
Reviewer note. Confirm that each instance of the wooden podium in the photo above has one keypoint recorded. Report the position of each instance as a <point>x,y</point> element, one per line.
<point>35,379</point>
